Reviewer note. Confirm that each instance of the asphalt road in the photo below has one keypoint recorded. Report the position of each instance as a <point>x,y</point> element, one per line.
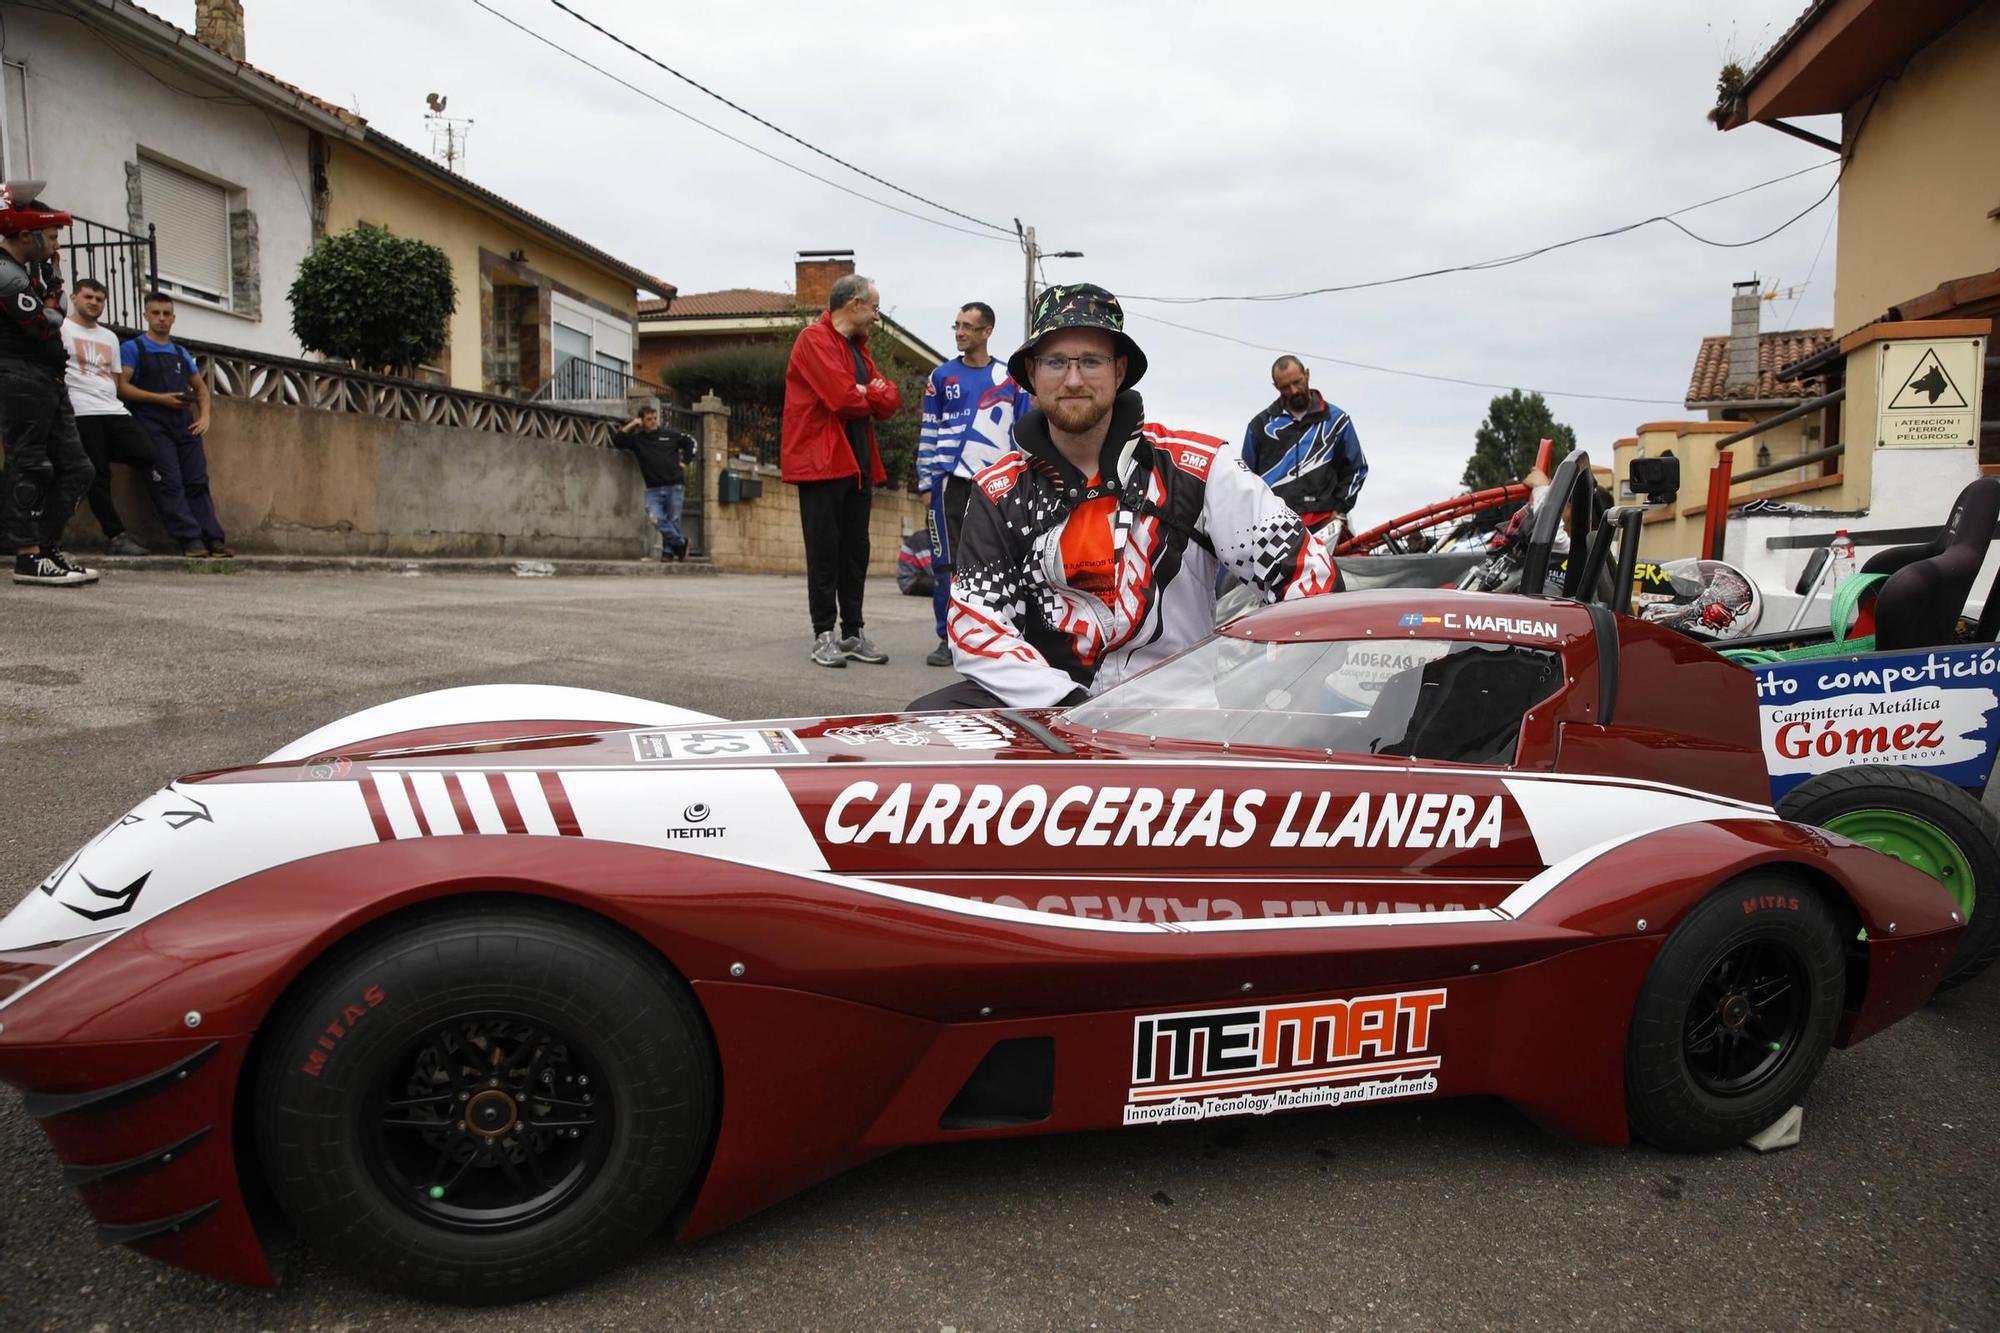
<point>1457,1215</point>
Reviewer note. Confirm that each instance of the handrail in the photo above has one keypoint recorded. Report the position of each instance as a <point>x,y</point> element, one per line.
<point>1789,414</point>
<point>1773,469</point>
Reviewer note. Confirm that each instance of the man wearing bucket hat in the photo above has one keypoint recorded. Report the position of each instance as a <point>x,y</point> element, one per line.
<point>47,470</point>
<point>1092,553</point>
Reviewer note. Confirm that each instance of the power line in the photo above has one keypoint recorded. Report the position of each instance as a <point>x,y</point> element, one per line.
<point>1505,261</point>
<point>1408,374</point>
<point>602,31</point>
<point>713,129</point>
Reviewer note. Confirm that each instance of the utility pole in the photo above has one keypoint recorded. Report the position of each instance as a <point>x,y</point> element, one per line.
<point>1035,257</point>
<point>1028,306</point>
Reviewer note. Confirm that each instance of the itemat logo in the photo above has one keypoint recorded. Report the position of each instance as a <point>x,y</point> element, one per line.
<point>1249,1061</point>
<point>695,813</point>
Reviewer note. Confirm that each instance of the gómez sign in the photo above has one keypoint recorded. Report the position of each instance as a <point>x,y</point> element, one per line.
<point>1935,709</point>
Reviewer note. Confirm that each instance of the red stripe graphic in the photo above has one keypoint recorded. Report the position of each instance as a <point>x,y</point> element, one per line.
<point>416,805</point>
<point>377,816</point>
<point>559,805</point>
<point>503,796</point>
<point>460,805</point>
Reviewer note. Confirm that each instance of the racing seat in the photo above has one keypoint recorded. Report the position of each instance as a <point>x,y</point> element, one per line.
<point>1465,708</point>
<point>1919,605</point>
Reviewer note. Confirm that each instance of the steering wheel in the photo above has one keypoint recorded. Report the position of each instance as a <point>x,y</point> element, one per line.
<point>1571,486</point>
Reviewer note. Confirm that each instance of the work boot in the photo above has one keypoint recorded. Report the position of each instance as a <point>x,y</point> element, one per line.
<point>41,571</point>
<point>86,573</point>
<point>825,652</point>
<point>940,655</point>
<point>860,648</point>
<point>217,551</point>
<point>125,544</point>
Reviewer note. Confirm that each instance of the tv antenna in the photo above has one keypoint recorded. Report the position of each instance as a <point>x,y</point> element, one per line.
<point>448,133</point>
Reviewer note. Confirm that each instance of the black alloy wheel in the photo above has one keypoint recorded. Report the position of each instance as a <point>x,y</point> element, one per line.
<point>1736,1015</point>
<point>485,1103</point>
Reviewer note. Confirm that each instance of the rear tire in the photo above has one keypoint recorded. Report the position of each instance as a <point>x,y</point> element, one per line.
<point>485,1106</point>
<point>1924,822</point>
<point>1735,1017</point>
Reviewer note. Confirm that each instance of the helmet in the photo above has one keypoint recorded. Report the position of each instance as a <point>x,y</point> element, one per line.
<point>21,211</point>
<point>1709,600</point>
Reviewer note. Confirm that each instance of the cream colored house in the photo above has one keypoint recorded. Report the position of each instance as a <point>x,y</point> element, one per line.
<point>1916,84</point>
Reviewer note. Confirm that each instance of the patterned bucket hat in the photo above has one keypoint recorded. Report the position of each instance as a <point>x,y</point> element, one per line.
<point>1078,306</point>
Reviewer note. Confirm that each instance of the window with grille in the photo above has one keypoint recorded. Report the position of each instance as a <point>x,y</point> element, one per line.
<point>190,217</point>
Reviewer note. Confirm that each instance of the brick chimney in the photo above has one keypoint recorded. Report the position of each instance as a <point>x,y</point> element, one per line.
<point>1745,309</point>
<point>219,23</point>
<point>816,272</point>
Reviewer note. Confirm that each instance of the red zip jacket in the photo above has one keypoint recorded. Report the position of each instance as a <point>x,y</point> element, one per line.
<point>821,397</point>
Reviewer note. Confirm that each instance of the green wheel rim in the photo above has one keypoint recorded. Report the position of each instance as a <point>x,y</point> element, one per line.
<point>1915,842</point>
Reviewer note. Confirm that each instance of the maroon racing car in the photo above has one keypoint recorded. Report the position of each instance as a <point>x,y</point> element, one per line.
<point>476,990</point>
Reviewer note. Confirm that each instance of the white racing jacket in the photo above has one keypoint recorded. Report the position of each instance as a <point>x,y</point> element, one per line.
<point>1018,624</point>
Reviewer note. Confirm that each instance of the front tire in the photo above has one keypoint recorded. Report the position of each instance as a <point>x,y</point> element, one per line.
<point>485,1106</point>
<point>1735,1017</point>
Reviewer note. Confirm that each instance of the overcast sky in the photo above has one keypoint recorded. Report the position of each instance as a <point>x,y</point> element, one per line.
<point>1187,149</point>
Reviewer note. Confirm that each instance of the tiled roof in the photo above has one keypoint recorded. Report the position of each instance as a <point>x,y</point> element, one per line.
<point>713,305</point>
<point>1775,351</point>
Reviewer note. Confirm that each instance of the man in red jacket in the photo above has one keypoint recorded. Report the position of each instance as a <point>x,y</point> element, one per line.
<point>833,398</point>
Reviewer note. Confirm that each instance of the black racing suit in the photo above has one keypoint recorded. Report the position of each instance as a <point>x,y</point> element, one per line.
<point>47,471</point>
<point>1063,584</point>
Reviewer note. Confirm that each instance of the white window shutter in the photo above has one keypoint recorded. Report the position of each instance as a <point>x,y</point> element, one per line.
<point>191,222</point>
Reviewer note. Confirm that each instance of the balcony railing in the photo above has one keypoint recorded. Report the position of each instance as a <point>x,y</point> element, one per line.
<point>127,264</point>
<point>581,380</point>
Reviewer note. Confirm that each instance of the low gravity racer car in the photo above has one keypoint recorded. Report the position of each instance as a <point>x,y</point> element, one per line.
<point>478,990</point>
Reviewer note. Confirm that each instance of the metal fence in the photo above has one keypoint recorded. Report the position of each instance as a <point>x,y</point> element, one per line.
<point>127,264</point>
<point>754,431</point>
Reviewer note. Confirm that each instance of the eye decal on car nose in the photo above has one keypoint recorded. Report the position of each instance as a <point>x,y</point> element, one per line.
<point>121,899</point>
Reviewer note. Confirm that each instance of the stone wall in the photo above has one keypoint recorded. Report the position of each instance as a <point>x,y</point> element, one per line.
<point>296,481</point>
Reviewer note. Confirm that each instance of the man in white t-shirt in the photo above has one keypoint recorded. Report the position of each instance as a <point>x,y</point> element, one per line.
<point>110,435</point>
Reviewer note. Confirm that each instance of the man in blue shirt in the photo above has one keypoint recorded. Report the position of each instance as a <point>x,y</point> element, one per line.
<point>159,378</point>
<point>963,401</point>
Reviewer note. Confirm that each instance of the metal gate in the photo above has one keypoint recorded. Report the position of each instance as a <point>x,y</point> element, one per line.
<point>128,265</point>
<point>693,513</point>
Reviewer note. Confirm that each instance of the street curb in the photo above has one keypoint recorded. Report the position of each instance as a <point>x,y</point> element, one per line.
<point>406,567</point>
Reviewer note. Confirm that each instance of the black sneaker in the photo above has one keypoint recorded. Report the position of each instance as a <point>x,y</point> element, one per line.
<point>940,655</point>
<point>41,571</point>
<point>125,544</point>
<point>56,554</point>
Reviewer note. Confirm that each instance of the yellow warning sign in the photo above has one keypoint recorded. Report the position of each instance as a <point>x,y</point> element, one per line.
<point>1927,393</point>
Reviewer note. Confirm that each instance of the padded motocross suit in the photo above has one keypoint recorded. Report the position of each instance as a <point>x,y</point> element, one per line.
<point>1066,581</point>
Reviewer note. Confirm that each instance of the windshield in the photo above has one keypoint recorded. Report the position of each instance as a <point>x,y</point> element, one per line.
<point>1422,698</point>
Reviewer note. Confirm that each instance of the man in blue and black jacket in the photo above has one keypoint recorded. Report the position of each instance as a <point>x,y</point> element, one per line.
<point>1305,448</point>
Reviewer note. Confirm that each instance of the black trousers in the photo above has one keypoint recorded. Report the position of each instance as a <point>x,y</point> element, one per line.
<point>834,515</point>
<point>47,471</point>
<point>112,438</point>
<point>959,694</point>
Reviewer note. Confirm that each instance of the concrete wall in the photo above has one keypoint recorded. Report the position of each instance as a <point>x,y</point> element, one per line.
<point>90,113</point>
<point>1914,201</point>
<point>295,481</point>
<point>364,188</point>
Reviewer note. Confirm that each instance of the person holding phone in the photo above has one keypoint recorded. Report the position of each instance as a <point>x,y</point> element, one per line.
<point>170,398</point>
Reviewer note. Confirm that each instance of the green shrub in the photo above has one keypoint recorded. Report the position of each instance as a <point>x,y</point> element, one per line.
<point>374,299</point>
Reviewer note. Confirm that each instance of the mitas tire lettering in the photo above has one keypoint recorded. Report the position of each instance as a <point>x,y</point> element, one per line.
<point>329,1036</point>
<point>547,993</point>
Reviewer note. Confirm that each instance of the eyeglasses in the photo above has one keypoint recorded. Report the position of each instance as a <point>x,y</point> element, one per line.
<point>1091,363</point>
<point>963,327</point>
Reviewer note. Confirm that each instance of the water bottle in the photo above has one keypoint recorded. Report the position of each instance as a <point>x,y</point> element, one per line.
<point>1841,561</point>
